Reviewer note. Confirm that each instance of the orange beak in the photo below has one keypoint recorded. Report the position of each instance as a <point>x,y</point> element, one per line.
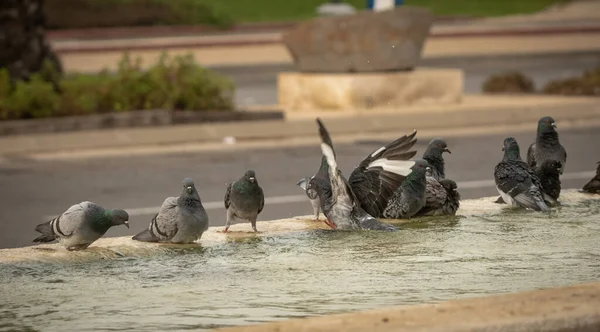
<point>329,223</point>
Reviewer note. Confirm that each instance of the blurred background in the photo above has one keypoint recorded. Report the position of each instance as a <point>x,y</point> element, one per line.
<point>76,77</point>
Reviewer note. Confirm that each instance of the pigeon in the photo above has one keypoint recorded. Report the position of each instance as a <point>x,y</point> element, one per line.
<point>378,176</point>
<point>433,156</point>
<point>81,225</point>
<point>244,199</point>
<point>441,197</point>
<point>180,219</point>
<point>546,146</point>
<point>549,174</point>
<point>312,195</point>
<point>409,198</point>
<point>594,185</point>
<point>516,181</point>
<point>338,201</point>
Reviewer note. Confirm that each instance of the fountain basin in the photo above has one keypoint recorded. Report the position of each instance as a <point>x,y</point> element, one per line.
<point>296,268</point>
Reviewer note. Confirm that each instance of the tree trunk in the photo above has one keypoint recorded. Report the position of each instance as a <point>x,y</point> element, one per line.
<point>23,45</point>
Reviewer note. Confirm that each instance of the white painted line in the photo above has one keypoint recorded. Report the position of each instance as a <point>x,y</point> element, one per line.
<point>302,198</point>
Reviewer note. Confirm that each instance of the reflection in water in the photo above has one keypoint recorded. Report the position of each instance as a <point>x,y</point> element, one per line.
<point>256,279</point>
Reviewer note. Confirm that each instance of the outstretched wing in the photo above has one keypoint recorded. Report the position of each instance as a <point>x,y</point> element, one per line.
<point>380,173</point>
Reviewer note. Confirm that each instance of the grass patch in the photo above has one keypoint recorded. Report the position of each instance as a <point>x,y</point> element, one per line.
<point>483,8</point>
<point>223,13</point>
<point>177,83</point>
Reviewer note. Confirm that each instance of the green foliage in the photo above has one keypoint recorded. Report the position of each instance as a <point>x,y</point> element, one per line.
<point>65,14</point>
<point>587,84</point>
<point>509,82</point>
<point>69,14</point>
<point>33,99</point>
<point>172,83</point>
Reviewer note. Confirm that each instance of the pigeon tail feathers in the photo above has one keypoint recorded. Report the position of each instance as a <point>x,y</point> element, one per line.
<point>47,232</point>
<point>146,236</point>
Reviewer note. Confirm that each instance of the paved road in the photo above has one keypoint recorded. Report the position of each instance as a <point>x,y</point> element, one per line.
<point>258,85</point>
<point>33,190</point>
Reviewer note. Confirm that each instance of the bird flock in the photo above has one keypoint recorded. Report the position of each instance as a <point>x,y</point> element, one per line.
<point>389,183</point>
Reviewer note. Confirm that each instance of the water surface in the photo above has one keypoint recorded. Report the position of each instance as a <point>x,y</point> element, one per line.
<point>306,273</point>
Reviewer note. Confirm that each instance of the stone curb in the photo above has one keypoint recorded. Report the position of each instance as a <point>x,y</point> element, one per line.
<point>565,309</point>
<point>487,112</point>
<point>130,119</point>
<point>247,39</point>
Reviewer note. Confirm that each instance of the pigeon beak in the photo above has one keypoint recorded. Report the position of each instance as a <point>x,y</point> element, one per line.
<point>252,179</point>
<point>126,223</point>
<point>553,125</point>
<point>330,224</point>
<point>447,150</point>
<point>302,184</point>
<point>190,190</point>
<point>502,148</point>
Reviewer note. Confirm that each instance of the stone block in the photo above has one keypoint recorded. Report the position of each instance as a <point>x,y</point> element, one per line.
<point>345,92</point>
<point>368,41</point>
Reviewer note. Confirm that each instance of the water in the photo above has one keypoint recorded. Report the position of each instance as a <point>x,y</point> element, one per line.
<point>252,279</point>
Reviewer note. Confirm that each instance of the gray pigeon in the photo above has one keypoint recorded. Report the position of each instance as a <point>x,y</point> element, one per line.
<point>546,146</point>
<point>244,199</point>
<point>433,156</point>
<point>515,180</point>
<point>593,186</point>
<point>338,202</point>
<point>312,195</point>
<point>549,174</point>
<point>441,197</point>
<point>81,225</point>
<point>377,176</point>
<point>409,198</point>
<point>180,219</point>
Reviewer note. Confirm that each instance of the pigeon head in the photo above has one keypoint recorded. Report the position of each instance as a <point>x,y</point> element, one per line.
<point>250,176</point>
<point>546,125</point>
<point>304,183</point>
<point>120,217</point>
<point>449,185</point>
<point>511,149</point>
<point>421,165</point>
<point>188,185</point>
<point>436,147</point>
<point>428,172</point>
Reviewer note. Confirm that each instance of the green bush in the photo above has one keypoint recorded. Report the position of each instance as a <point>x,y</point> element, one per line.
<point>173,83</point>
<point>587,84</point>
<point>509,82</point>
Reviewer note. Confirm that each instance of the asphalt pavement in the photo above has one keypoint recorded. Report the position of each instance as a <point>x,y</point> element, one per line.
<point>35,190</point>
<point>257,85</point>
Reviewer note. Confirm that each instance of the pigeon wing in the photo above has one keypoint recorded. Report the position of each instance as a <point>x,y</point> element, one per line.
<point>164,224</point>
<point>515,181</point>
<point>227,199</point>
<point>262,200</point>
<point>531,156</point>
<point>435,193</point>
<point>380,173</point>
<point>65,224</point>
